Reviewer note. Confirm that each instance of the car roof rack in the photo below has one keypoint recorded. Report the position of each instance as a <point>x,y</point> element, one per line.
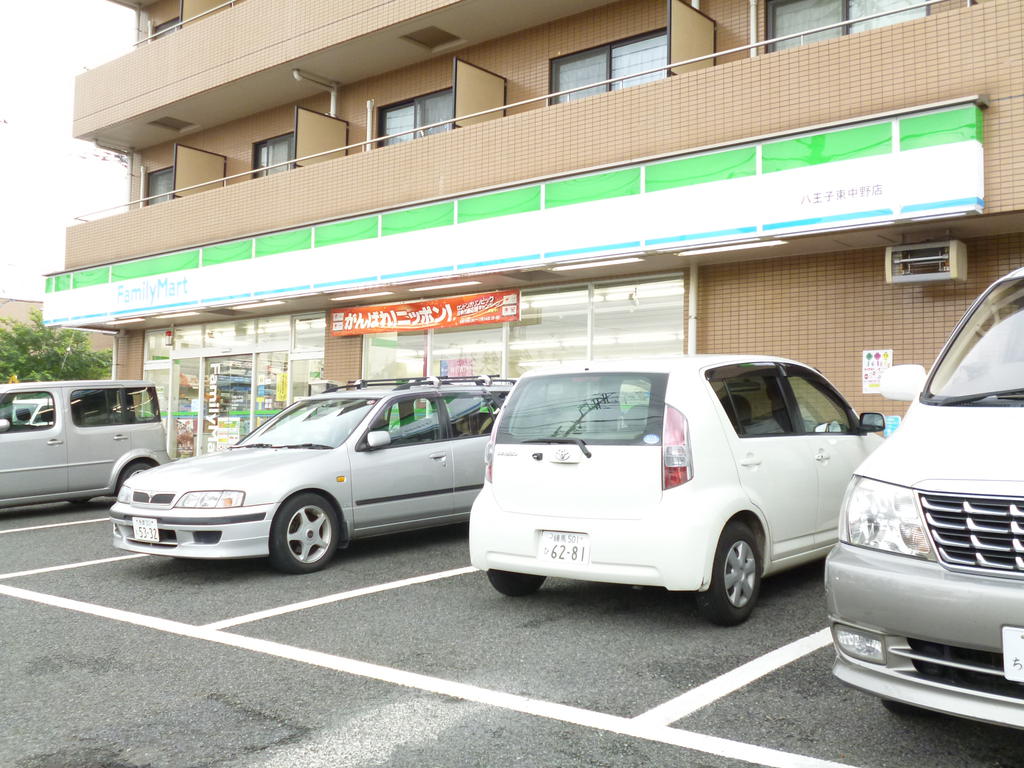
<point>425,381</point>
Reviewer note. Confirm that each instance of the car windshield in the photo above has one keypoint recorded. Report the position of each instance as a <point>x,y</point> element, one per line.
<point>604,408</point>
<point>984,364</point>
<point>311,423</point>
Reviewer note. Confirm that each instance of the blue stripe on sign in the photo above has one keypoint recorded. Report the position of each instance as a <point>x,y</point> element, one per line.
<point>943,204</point>
<point>493,262</point>
<point>830,219</point>
<point>592,249</point>
<point>88,317</point>
<point>281,290</point>
<point>228,298</point>
<point>418,272</point>
<point>58,320</point>
<point>346,282</point>
<point>702,235</point>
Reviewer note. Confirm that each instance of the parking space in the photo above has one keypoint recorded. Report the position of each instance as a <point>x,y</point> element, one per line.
<point>400,654</point>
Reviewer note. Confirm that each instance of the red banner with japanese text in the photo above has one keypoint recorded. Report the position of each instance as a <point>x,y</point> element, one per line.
<point>452,312</point>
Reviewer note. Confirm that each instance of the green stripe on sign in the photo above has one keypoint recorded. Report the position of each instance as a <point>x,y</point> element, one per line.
<point>719,166</point>
<point>160,265</point>
<point>499,204</point>
<point>61,282</point>
<point>227,252</point>
<point>283,242</point>
<point>49,285</point>
<point>425,217</point>
<point>865,141</point>
<point>347,231</point>
<point>589,188</point>
<point>89,277</point>
<point>943,128</point>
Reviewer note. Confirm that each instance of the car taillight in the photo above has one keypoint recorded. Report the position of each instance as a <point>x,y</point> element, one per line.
<point>677,464</point>
<point>489,460</point>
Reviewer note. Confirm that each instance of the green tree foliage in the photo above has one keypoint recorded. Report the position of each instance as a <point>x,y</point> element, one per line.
<point>32,351</point>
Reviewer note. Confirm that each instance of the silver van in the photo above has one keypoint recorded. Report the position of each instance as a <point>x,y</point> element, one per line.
<point>72,440</point>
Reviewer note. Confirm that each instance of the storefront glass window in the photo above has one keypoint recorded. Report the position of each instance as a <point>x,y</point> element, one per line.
<point>641,320</point>
<point>305,377</point>
<point>226,414</point>
<point>188,337</point>
<point>271,385</point>
<point>273,331</point>
<point>394,355</point>
<point>184,406</point>
<point>553,328</point>
<point>231,333</point>
<point>156,346</point>
<point>469,351</point>
<point>309,333</point>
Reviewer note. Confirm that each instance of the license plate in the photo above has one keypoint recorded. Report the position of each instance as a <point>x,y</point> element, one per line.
<point>564,547</point>
<point>1013,653</point>
<point>144,529</point>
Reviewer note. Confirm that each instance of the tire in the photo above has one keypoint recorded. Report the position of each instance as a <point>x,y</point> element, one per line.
<point>304,534</point>
<point>515,584</point>
<point>133,468</point>
<point>735,578</point>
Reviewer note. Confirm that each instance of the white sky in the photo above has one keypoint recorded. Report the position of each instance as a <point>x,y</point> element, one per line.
<point>46,177</point>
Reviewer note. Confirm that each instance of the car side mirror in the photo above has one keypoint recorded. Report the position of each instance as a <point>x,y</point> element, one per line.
<point>872,422</point>
<point>379,438</point>
<point>902,382</point>
<point>5,425</point>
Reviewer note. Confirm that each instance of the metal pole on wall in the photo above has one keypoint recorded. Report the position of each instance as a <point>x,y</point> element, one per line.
<point>691,314</point>
<point>113,355</point>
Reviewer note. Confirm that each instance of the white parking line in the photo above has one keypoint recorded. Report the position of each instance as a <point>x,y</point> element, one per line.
<point>56,525</point>
<point>702,695</point>
<point>270,612</point>
<point>69,566</point>
<point>559,712</point>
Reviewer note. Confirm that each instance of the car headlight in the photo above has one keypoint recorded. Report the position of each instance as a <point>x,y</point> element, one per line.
<point>124,495</point>
<point>211,499</point>
<point>883,516</point>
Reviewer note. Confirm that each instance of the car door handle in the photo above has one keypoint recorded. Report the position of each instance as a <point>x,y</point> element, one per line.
<point>441,456</point>
<point>822,456</point>
<point>54,441</point>
<point>750,461</point>
<point>120,437</point>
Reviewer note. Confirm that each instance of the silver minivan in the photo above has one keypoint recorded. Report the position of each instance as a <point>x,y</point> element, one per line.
<point>926,587</point>
<point>72,440</point>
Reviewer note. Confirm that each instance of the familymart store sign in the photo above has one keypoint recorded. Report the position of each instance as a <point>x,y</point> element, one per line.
<point>893,169</point>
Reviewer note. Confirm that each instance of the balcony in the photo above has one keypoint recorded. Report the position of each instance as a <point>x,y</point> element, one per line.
<point>915,63</point>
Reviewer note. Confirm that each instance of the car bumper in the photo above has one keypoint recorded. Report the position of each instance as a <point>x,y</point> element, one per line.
<point>941,633</point>
<point>197,533</point>
<point>663,547</point>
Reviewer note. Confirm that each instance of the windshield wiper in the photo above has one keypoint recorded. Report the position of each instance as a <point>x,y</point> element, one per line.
<point>318,446</point>
<point>977,396</point>
<point>253,445</point>
<point>564,441</point>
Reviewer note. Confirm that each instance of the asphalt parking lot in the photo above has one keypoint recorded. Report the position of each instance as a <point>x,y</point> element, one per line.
<point>400,654</point>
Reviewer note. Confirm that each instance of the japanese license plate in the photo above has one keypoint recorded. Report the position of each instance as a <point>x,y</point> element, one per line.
<point>564,547</point>
<point>144,529</point>
<point>1013,653</point>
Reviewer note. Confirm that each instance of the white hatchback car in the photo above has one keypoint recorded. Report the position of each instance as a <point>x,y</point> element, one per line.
<point>697,473</point>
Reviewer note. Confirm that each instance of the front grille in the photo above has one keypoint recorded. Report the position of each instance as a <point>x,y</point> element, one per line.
<point>966,668</point>
<point>142,497</point>
<point>978,532</point>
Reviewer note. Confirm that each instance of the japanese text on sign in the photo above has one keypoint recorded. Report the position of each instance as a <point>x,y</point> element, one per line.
<point>495,307</point>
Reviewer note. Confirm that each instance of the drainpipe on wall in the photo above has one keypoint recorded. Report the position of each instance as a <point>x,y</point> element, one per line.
<point>691,314</point>
<point>323,82</point>
<point>142,184</point>
<point>369,125</point>
<point>113,355</point>
<point>753,27</point>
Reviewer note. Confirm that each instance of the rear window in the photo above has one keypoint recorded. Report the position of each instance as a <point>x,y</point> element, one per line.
<point>602,408</point>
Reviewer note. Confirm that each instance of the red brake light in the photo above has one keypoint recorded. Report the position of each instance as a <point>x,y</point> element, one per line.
<point>677,466</point>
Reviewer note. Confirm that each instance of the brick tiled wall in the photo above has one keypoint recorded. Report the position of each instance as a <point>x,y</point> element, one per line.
<point>826,309</point>
<point>904,65</point>
<point>343,358</point>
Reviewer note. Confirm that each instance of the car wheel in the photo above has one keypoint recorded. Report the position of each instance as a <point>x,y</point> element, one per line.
<point>132,469</point>
<point>515,584</point>
<point>303,535</point>
<point>735,579</point>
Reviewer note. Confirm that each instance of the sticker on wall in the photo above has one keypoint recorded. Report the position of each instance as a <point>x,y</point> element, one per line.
<point>873,363</point>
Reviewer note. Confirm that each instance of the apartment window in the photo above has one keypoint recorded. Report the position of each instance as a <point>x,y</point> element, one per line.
<point>423,110</point>
<point>279,149</point>
<point>787,17</point>
<point>163,28</point>
<point>637,54</point>
<point>159,185</point>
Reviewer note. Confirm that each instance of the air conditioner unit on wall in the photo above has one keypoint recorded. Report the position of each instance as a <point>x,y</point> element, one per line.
<point>926,262</point>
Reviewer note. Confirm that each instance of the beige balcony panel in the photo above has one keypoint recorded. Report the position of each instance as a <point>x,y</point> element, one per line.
<point>691,34</point>
<point>476,90</point>
<point>315,133</point>
<point>194,166</point>
<point>192,8</point>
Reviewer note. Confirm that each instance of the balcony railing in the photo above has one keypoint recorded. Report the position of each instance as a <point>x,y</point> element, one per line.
<point>153,35</point>
<point>371,143</point>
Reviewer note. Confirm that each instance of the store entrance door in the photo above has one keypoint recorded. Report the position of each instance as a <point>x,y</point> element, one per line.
<point>227,401</point>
